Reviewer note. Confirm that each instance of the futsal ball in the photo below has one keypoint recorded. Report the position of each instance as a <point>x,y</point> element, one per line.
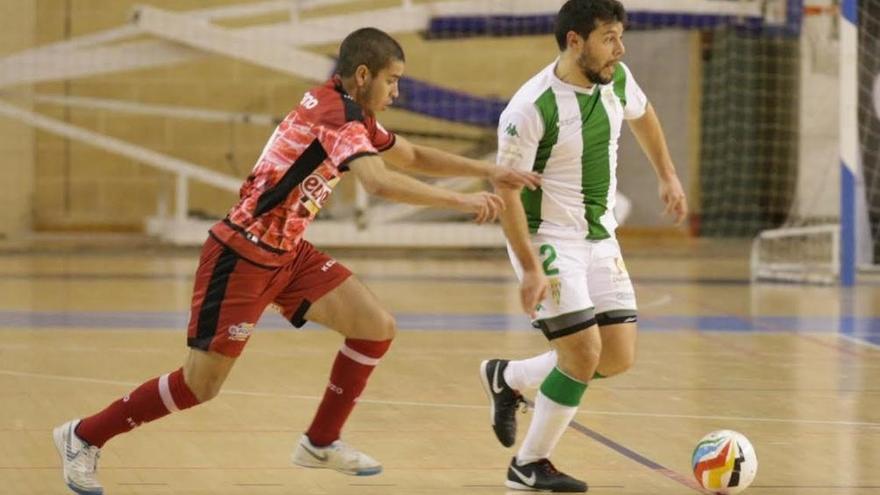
<point>724,462</point>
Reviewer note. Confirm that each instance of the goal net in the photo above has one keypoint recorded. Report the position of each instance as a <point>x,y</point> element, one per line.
<point>831,226</point>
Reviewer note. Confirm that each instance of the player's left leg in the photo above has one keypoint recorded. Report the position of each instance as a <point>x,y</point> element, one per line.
<point>616,312</point>
<point>618,349</point>
<point>325,292</point>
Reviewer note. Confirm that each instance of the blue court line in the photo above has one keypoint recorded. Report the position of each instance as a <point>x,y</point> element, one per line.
<point>632,455</point>
<point>440,279</point>
<point>865,328</point>
<point>455,279</point>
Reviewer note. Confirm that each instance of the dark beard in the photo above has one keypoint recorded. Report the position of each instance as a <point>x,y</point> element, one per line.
<point>593,76</point>
<point>596,78</point>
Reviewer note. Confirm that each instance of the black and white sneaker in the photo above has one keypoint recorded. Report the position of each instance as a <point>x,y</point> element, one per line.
<point>503,400</point>
<point>541,476</point>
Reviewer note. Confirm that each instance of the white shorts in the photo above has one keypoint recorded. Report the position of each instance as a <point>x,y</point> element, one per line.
<point>589,284</point>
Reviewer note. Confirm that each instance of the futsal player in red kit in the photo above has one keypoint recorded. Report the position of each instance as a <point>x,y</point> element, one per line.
<point>256,256</point>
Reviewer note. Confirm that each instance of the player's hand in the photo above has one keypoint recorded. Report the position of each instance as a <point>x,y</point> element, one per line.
<point>485,206</point>
<point>532,290</point>
<point>672,195</point>
<point>513,178</point>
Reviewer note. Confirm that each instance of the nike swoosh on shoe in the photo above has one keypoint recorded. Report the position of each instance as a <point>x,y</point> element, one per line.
<point>528,481</point>
<point>315,455</point>
<point>495,387</point>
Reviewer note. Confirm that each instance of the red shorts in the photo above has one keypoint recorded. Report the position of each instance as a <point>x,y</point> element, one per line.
<point>231,293</point>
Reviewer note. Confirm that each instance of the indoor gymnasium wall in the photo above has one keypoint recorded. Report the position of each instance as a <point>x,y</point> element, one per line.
<point>82,188</point>
<point>17,27</point>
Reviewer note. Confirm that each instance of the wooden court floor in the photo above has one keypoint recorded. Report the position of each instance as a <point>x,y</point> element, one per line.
<point>793,368</point>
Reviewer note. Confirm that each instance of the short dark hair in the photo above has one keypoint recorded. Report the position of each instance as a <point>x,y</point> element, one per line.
<point>367,46</point>
<point>583,16</point>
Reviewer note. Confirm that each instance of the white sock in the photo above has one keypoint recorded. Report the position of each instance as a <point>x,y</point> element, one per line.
<point>529,373</point>
<point>548,424</point>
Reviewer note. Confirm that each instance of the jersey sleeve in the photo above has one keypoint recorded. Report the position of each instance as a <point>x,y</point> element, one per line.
<point>519,132</point>
<point>636,100</point>
<point>382,138</point>
<point>346,143</point>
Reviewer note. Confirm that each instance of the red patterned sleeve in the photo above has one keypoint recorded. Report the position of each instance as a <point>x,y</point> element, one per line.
<point>347,143</point>
<point>381,138</point>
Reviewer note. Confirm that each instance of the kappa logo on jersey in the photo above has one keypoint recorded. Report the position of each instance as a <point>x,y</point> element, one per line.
<point>511,130</point>
<point>241,332</point>
<point>309,101</point>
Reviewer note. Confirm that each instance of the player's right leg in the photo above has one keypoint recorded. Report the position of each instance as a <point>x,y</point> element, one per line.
<point>79,441</point>
<point>222,302</point>
<point>575,337</point>
<point>567,319</point>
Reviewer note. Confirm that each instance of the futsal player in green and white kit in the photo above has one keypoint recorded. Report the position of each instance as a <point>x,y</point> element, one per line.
<point>564,123</point>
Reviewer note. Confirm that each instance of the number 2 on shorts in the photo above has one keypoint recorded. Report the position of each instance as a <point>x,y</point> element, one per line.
<point>548,252</point>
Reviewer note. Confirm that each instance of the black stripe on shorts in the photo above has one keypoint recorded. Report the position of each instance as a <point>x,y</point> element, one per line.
<point>567,324</point>
<point>209,313</point>
<point>617,316</point>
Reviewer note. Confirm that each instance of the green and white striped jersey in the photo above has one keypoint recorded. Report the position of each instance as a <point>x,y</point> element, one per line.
<point>569,135</point>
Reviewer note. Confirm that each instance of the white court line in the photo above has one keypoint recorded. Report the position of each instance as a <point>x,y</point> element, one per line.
<point>863,343</point>
<point>446,405</point>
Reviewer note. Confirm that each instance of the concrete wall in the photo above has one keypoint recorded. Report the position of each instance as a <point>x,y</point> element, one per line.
<point>660,62</point>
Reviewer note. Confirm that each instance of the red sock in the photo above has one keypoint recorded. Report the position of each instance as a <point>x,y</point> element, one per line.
<point>353,365</point>
<point>152,400</point>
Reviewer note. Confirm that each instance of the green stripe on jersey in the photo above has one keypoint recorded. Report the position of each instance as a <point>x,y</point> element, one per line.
<point>596,175</point>
<point>620,84</point>
<point>549,112</point>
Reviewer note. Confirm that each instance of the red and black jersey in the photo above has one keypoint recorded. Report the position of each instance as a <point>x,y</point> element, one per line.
<point>296,172</point>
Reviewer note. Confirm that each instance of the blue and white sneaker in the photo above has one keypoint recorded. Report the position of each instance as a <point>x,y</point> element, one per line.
<point>338,456</point>
<point>79,459</point>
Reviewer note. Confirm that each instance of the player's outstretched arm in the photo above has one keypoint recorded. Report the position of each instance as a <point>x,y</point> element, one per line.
<point>649,134</point>
<point>378,180</point>
<point>438,163</point>
<point>534,285</point>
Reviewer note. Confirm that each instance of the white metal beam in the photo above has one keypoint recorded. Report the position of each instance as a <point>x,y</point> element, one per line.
<point>259,50</point>
<point>122,148</point>
<point>72,58</point>
<point>148,109</point>
<point>129,31</point>
<point>63,64</point>
<point>61,61</point>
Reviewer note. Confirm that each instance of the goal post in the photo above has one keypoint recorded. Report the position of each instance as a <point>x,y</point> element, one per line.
<point>831,230</point>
